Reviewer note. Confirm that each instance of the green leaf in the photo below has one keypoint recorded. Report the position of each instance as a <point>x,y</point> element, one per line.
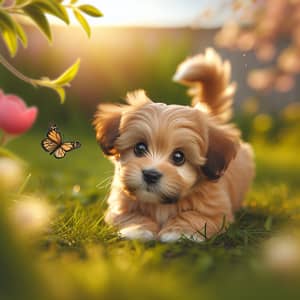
<point>37,15</point>
<point>61,93</point>
<point>90,10</point>
<point>68,75</point>
<point>80,18</point>
<point>7,21</point>
<point>62,81</point>
<point>65,15</point>
<point>21,34</point>
<point>53,8</point>
<point>10,40</point>
<point>8,31</point>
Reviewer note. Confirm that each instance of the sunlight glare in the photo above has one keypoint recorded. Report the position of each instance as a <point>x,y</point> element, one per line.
<point>167,13</point>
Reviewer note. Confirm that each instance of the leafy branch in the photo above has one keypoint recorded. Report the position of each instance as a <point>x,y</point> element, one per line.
<point>12,32</point>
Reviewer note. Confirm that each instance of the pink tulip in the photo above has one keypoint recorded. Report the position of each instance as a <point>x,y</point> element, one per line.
<point>15,117</point>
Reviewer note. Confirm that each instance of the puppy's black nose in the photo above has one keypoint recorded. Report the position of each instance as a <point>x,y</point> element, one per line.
<point>151,176</point>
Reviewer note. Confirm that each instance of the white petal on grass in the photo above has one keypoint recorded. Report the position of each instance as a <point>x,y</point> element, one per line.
<point>11,173</point>
<point>31,214</point>
<point>281,254</point>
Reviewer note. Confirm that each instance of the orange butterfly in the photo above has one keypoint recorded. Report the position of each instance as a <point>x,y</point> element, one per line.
<point>54,145</point>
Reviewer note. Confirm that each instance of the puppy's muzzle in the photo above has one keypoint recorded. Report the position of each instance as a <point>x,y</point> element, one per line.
<point>151,176</point>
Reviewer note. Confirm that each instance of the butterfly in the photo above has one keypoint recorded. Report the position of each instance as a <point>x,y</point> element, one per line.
<point>54,145</point>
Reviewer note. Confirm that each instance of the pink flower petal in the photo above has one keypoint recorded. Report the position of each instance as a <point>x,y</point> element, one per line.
<point>9,116</point>
<point>17,100</point>
<point>29,117</point>
<point>15,117</point>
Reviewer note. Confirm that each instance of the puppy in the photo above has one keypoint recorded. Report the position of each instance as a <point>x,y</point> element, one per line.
<point>180,171</point>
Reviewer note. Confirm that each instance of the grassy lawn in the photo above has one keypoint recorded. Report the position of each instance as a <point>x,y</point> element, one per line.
<point>82,258</point>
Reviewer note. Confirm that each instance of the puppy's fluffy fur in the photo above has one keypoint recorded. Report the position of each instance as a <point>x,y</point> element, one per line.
<point>193,198</point>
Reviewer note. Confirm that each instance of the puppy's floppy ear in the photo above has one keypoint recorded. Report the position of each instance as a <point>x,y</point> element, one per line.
<point>223,144</point>
<point>106,123</point>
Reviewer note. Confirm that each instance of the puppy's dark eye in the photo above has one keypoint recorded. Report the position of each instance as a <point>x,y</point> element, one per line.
<point>140,149</point>
<point>178,158</point>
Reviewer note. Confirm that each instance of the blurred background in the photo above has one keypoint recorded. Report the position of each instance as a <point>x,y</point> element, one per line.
<point>140,50</point>
<point>138,45</point>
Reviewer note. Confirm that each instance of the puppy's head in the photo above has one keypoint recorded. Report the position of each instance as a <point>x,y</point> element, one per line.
<point>163,151</point>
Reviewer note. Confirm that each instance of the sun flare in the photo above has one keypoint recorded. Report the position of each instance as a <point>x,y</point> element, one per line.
<point>167,13</point>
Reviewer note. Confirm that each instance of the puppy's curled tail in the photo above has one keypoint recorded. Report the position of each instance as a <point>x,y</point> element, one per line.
<point>209,80</point>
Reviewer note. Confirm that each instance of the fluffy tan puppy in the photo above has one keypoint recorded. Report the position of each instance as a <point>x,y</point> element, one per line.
<point>179,170</point>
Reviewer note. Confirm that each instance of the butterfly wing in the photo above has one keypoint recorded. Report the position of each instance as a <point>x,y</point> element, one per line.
<point>53,140</point>
<point>54,145</point>
<point>68,146</point>
<point>59,153</point>
<point>64,148</point>
<point>54,135</point>
<point>48,145</point>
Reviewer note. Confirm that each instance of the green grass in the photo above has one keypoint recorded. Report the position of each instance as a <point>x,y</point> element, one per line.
<point>83,258</point>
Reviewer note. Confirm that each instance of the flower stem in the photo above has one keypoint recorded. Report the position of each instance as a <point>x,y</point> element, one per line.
<point>5,138</point>
<point>4,152</point>
<point>17,73</point>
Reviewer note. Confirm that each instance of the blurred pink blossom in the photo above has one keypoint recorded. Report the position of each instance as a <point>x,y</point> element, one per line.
<point>15,117</point>
<point>272,21</point>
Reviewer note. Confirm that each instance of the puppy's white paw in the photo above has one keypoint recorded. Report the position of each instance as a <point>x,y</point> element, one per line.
<point>136,233</point>
<point>173,236</point>
<point>170,237</point>
<point>196,237</point>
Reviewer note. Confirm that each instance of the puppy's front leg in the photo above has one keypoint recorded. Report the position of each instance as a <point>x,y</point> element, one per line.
<point>192,225</point>
<point>134,226</point>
